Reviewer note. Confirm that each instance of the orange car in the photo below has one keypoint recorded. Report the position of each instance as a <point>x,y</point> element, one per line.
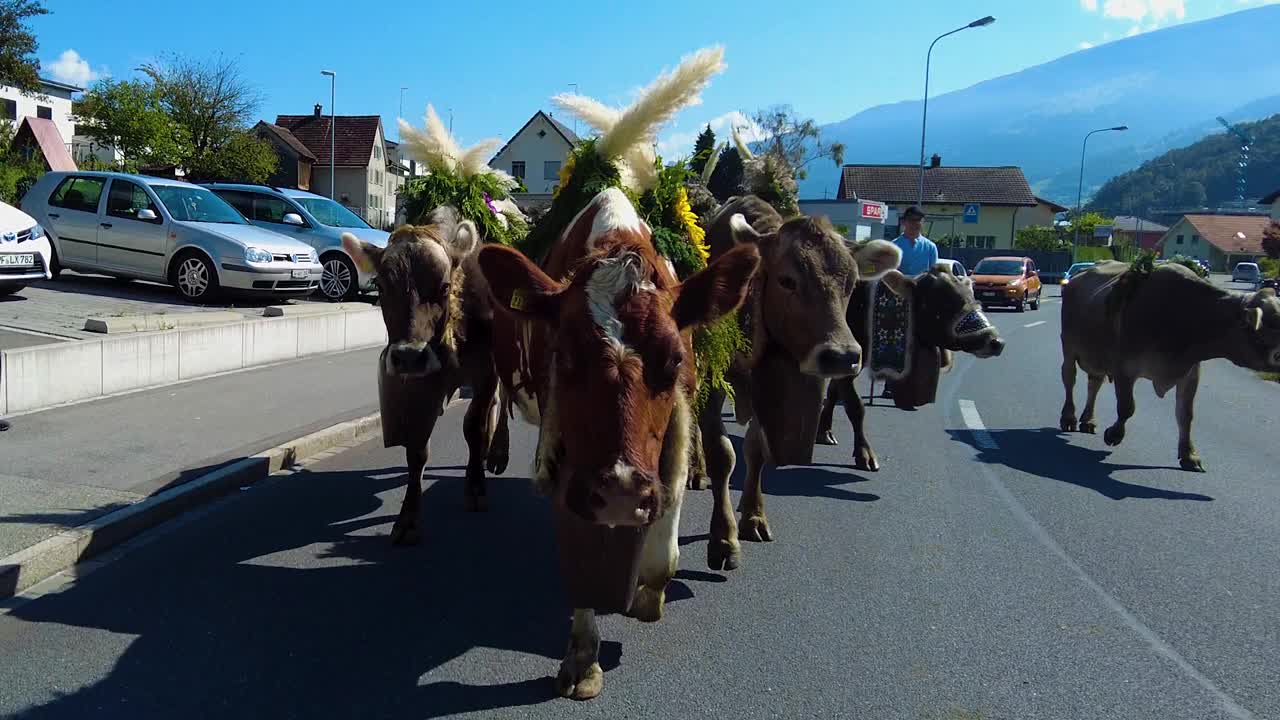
<point>1010,281</point>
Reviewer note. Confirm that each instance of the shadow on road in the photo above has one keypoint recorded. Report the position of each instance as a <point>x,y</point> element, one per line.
<point>297,605</point>
<point>817,480</point>
<point>1048,453</point>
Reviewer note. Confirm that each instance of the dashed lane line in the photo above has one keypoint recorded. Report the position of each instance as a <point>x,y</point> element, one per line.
<point>1038,322</point>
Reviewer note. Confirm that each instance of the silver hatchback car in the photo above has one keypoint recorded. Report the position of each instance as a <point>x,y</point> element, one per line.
<point>315,220</point>
<point>165,230</point>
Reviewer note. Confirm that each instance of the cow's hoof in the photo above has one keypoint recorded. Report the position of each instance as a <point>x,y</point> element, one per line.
<point>584,685</point>
<point>496,463</point>
<point>864,458</point>
<point>698,481</point>
<point>1089,427</point>
<point>827,438</point>
<point>647,604</point>
<point>1191,463</point>
<point>1067,424</point>
<point>475,503</point>
<point>755,528</point>
<point>1114,435</point>
<point>403,533</point>
<point>724,554</point>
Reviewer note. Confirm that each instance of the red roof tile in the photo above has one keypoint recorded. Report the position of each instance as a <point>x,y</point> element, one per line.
<point>353,141</point>
<point>1220,231</point>
<point>901,183</point>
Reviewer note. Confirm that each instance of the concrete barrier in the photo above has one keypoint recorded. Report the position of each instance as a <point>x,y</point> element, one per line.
<point>43,376</point>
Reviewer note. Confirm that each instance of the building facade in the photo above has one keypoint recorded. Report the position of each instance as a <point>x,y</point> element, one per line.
<point>536,153</point>
<point>54,105</point>
<point>1220,240</point>
<point>359,161</point>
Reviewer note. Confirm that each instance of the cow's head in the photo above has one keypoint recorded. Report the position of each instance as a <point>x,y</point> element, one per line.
<point>1262,323</point>
<point>419,284</point>
<point>946,314</point>
<point>621,359</point>
<point>807,278</point>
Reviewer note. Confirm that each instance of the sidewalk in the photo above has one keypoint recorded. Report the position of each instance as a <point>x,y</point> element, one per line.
<point>63,467</point>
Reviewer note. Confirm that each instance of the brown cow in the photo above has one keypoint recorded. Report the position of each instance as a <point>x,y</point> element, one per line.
<point>1125,325</point>
<point>597,351</point>
<point>947,319</point>
<point>795,318</point>
<point>439,328</point>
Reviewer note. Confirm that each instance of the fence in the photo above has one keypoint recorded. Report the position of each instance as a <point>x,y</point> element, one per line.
<point>1051,263</point>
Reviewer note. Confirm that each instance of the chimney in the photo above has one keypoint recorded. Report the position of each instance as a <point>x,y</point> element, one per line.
<point>318,114</point>
<point>935,161</point>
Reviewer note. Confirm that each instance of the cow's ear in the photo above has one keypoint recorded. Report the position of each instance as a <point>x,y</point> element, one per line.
<point>366,255</point>
<point>517,284</point>
<point>719,289</point>
<point>897,282</point>
<point>464,240</point>
<point>875,258</point>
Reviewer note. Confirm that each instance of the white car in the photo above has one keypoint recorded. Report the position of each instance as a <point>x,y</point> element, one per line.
<point>24,250</point>
<point>955,267</point>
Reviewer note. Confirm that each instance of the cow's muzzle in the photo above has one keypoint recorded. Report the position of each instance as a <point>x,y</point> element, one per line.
<point>622,495</point>
<point>975,334</point>
<point>833,360</point>
<point>412,359</point>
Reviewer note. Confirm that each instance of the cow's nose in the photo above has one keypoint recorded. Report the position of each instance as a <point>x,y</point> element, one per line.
<point>997,346</point>
<point>409,360</point>
<point>625,496</point>
<point>839,361</point>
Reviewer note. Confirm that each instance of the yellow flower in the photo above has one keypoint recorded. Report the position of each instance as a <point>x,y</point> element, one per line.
<point>690,221</point>
<point>566,170</point>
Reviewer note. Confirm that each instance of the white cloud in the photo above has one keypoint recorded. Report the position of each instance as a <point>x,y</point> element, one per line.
<point>1138,10</point>
<point>1085,45</point>
<point>680,144</point>
<point>1133,31</point>
<point>73,69</point>
<point>1089,5</point>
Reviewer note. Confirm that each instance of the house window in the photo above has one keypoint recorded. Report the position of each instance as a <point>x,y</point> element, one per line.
<point>1195,239</point>
<point>377,152</point>
<point>551,170</point>
<point>44,112</point>
<point>980,241</point>
<point>1179,239</point>
<point>517,169</point>
<point>8,109</point>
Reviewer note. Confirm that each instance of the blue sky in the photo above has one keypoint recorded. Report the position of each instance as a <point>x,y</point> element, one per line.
<point>495,63</point>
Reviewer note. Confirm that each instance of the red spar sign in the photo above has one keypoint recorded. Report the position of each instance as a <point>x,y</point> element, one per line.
<point>873,211</point>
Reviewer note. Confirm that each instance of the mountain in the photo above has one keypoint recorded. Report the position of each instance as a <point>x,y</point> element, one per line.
<point>1167,86</point>
<point>1201,174</point>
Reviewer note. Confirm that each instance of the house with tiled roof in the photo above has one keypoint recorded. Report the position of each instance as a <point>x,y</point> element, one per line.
<point>978,207</point>
<point>296,160</point>
<point>1222,240</point>
<point>1131,229</point>
<point>536,152</point>
<point>359,158</point>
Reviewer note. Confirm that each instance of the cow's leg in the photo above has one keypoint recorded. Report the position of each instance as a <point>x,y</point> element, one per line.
<point>659,560</point>
<point>500,442</point>
<point>580,675</point>
<point>698,479</point>
<point>754,525</point>
<point>1087,424</point>
<point>1188,458</point>
<point>723,550</point>
<point>477,428</point>
<point>1124,408</point>
<point>1067,422</point>
<point>864,458</point>
<point>405,529</point>
<point>825,436</point>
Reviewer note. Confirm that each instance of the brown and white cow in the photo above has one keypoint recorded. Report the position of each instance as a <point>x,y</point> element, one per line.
<point>794,316</point>
<point>436,310</point>
<point>1123,326</point>
<point>947,319</point>
<point>596,350</point>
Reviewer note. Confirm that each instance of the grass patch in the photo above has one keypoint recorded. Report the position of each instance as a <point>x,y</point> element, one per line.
<point>1272,376</point>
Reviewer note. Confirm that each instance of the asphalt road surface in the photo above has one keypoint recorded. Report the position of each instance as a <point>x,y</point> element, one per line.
<point>995,568</point>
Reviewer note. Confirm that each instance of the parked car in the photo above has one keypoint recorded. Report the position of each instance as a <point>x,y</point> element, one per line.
<point>133,226</point>
<point>1076,269</point>
<point>315,220</point>
<point>1009,281</point>
<point>1246,272</point>
<point>955,267</point>
<point>24,250</point>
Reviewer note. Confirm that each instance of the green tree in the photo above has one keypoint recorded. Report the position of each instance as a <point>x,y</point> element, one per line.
<point>129,116</point>
<point>242,158</point>
<point>702,149</point>
<point>796,140</point>
<point>18,170</point>
<point>726,179</point>
<point>18,64</point>
<point>1039,237</point>
<point>1086,224</point>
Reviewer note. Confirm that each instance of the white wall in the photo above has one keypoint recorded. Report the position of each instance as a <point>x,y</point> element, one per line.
<point>57,99</point>
<point>843,212</point>
<point>534,151</point>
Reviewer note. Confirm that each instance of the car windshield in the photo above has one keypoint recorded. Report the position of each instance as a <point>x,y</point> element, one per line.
<point>328,212</point>
<point>197,205</point>
<point>1079,268</point>
<point>998,267</point>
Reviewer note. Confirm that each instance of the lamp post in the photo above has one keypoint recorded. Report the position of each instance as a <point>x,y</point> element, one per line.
<point>333,128</point>
<point>575,117</point>
<point>1075,241</point>
<point>981,22</point>
<point>401,114</point>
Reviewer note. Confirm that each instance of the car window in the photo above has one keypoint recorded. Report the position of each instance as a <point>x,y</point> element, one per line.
<point>78,193</point>
<point>196,204</point>
<point>269,209</point>
<point>328,212</point>
<point>998,267</point>
<point>241,201</point>
<point>126,199</point>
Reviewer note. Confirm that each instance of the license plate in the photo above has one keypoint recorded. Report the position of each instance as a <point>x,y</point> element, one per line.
<point>989,294</point>
<point>301,274</point>
<point>17,260</point>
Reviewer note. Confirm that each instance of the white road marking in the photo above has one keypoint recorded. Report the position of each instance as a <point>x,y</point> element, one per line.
<point>969,411</point>
<point>1038,322</point>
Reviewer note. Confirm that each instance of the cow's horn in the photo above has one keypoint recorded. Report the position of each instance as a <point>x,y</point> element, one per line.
<point>1255,319</point>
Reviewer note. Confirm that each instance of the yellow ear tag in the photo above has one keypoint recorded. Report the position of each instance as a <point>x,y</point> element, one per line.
<point>867,269</point>
<point>517,300</point>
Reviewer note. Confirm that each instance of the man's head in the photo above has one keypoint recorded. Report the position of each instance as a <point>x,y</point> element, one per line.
<point>912,221</point>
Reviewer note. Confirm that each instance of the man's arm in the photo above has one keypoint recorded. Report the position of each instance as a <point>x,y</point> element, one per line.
<point>933,252</point>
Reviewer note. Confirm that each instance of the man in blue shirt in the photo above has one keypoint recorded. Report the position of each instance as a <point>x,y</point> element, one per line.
<point>919,254</point>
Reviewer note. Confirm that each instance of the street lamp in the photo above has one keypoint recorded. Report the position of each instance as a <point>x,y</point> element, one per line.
<point>333,128</point>
<point>981,22</point>
<point>1075,241</point>
<point>401,115</point>
<point>575,117</point>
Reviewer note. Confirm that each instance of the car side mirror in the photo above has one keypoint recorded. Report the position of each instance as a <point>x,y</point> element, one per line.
<point>293,219</point>
<point>147,215</point>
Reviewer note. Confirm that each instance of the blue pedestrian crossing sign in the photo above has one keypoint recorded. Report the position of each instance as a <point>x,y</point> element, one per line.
<point>971,213</point>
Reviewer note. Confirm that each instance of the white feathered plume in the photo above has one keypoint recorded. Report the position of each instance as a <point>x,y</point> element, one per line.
<point>710,166</point>
<point>744,152</point>
<point>436,148</point>
<point>628,135</point>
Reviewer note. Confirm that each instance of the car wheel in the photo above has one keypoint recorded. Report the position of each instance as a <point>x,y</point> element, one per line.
<point>195,277</point>
<point>1022,303</point>
<point>55,265</point>
<point>339,281</point>
<point>1036,305</point>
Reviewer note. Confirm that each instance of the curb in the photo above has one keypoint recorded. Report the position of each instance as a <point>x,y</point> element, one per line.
<point>25,568</point>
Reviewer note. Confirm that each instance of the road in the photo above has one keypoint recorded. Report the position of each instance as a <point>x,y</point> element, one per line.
<point>994,568</point>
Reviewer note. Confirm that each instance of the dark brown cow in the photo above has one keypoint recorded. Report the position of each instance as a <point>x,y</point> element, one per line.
<point>1125,326</point>
<point>597,352</point>
<point>439,332</point>
<point>947,319</point>
<point>795,319</point>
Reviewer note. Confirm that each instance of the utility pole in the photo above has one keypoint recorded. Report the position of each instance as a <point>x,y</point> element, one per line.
<point>333,127</point>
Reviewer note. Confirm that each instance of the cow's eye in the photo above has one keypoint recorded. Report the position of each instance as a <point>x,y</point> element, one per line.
<point>787,282</point>
<point>444,291</point>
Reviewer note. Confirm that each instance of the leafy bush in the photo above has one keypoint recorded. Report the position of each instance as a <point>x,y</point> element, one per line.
<point>1085,253</point>
<point>1269,267</point>
<point>1191,264</point>
<point>1039,237</point>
